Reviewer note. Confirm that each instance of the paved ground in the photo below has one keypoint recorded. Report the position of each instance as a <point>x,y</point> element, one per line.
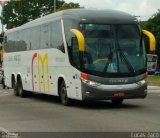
<point>41,113</point>
<point>154,88</point>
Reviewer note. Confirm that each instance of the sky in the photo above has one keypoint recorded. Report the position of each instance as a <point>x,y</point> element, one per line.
<point>143,8</point>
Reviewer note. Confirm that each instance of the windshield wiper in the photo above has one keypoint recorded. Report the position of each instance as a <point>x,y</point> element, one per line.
<point>122,55</point>
<point>130,67</point>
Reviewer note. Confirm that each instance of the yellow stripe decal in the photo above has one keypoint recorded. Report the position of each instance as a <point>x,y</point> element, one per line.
<point>39,80</point>
<point>43,60</point>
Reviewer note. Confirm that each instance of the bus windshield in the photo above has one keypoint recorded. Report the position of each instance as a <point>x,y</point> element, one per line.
<point>113,49</point>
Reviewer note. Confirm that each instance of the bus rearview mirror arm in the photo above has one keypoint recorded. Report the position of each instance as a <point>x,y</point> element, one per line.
<point>152,39</point>
<point>80,38</point>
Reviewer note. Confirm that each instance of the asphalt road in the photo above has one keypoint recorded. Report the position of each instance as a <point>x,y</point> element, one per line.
<point>41,113</point>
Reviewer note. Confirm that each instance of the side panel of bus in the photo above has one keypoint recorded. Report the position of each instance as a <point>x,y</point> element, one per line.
<point>42,61</point>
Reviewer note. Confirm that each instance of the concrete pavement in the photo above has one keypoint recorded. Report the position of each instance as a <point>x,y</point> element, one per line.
<point>42,113</point>
<point>151,87</point>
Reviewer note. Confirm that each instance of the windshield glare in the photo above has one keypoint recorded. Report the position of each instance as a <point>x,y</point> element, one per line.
<point>113,48</point>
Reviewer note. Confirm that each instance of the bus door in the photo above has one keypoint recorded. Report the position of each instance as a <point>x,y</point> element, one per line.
<point>78,48</point>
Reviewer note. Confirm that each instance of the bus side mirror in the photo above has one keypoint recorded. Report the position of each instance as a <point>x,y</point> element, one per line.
<point>152,39</point>
<point>80,39</point>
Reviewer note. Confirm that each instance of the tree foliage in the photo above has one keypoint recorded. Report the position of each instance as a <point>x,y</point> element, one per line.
<point>153,25</point>
<point>70,5</point>
<point>20,12</point>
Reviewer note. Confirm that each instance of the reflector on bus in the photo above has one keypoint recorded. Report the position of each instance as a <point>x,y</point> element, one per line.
<point>151,39</point>
<point>80,38</point>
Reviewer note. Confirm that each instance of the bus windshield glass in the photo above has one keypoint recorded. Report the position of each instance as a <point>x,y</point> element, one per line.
<point>113,49</point>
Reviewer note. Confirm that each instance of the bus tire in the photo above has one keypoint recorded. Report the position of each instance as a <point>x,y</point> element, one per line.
<point>15,91</point>
<point>20,88</point>
<point>3,85</point>
<point>63,94</point>
<point>117,101</point>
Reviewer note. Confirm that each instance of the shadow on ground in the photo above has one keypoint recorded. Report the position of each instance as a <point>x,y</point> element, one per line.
<point>105,104</point>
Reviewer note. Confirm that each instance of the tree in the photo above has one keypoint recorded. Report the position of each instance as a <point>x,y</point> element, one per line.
<point>20,12</point>
<point>153,25</point>
<point>70,5</point>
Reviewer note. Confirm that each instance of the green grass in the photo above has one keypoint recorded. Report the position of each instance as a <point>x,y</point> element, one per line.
<point>154,80</point>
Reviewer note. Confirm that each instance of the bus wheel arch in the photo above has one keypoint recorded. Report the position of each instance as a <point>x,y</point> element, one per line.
<point>62,91</point>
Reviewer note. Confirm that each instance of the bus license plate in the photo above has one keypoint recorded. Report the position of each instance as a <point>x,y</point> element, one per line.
<point>119,94</point>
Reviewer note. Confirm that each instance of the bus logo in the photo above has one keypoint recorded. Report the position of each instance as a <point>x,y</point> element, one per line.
<point>42,72</point>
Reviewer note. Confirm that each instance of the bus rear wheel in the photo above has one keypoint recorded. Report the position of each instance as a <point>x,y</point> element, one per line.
<point>63,94</point>
<point>14,86</point>
<point>15,91</point>
<point>117,101</point>
<point>3,84</point>
<point>20,88</point>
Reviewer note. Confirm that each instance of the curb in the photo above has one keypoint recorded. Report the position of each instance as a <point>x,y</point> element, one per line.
<point>150,87</point>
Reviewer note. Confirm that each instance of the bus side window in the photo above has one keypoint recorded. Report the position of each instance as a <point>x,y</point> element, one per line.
<point>75,52</point>
<point>26,38</point>
<point>57,37</point>
<point>35,38</point>
<point>45,36</point>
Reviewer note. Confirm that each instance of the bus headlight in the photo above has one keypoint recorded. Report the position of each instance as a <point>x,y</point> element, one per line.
<point>142,82</point>
<point>91,83</point>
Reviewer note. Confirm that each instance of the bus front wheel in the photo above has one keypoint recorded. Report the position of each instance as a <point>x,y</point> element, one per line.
<point>63,94</point>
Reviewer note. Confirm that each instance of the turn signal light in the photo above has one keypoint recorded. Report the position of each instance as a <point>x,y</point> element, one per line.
<point>84,76</point>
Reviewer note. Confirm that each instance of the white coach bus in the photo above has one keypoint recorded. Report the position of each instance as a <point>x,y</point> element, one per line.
<point>78,54</point>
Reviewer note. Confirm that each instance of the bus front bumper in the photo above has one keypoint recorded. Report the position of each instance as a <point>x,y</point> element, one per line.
<point>110,92</point>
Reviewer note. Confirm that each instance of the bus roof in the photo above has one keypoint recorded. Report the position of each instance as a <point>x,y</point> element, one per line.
<point>102,16</point>
<point>86,16</point>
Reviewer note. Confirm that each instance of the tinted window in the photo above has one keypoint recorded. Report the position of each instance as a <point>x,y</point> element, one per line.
<point>39,37</point>
<point>15,42</point>
<point>45,36</point>
<point>56,36</point>
<point>68,25</point>
<point>26,38</point>
<point>75,53</point>
<point>35,37</point>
